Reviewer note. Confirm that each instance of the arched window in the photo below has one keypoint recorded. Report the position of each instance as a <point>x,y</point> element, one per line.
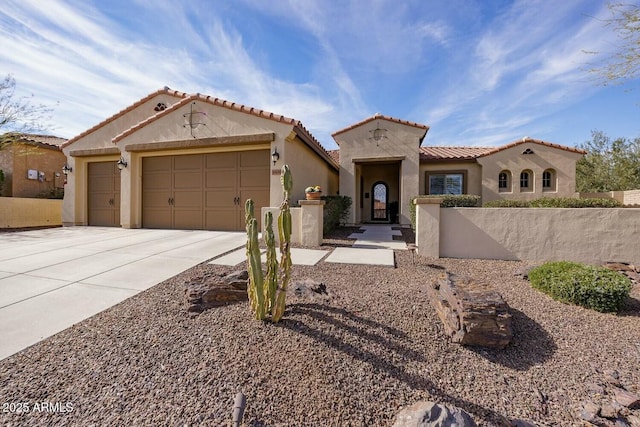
<point>504,182</point>
<point>526,180</point>
<point>380,203</point>
<point>549,180</point>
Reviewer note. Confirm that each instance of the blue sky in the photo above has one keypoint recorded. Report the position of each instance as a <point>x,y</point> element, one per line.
<point>485,72</point>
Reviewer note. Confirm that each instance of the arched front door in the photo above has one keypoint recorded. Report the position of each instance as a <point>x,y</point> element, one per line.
<point>380,202</point>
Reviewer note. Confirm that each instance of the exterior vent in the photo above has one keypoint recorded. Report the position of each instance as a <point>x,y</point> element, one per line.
<point>161,106</point>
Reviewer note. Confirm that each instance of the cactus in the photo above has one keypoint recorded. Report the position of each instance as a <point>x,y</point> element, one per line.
<point>267,295</point>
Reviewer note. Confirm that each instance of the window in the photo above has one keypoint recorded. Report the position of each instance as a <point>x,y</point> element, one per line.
<point>526,180</point>
<point>446,183</point>
<point>549,180</point>
<point>504,182</point>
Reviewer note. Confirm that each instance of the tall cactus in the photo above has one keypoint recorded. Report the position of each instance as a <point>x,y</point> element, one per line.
<point>284,233</point>
<point>265,296</point>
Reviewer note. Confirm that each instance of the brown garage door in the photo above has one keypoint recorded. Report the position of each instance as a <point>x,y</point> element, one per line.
<point>203,191</point>
<point>104,194</point>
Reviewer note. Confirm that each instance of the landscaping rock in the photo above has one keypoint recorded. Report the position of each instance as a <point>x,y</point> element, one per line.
<point>214,291</point>
<point>626,398</point>
<point>430,414</point>
<point>629,270</point>
<point>310,289</point>
<point>473,313</point>
<point>522,423</point>
<point>589,411</point>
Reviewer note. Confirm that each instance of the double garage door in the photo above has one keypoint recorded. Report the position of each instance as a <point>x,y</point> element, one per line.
<point>203,191</point>
<point>190,192</point>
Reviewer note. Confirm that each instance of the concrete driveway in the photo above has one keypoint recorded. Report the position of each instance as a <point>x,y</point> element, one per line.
<point>51,279</point>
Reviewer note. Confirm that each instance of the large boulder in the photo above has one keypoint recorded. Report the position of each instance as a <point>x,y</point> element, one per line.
<point>473,313</point>
<point>430,414</point>
<point>217,290</point>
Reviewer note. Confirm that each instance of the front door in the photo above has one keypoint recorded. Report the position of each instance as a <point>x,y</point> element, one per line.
<point>380,202</point>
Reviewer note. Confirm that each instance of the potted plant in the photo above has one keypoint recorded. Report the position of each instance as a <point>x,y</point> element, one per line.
<point>313,193</point>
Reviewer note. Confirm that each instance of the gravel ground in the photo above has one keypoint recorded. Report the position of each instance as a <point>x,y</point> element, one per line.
<point>375,347</point>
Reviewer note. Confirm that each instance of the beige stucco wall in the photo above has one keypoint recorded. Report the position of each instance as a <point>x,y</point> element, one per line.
<point>402,144</point>
<point>307,170</point>
<point>473,174</point>
<point>74,209</point>
<point>627,198</point>
<point>563,162</point>
<point>16,212</point>
<point>210,122</point>
<point>540,234</point>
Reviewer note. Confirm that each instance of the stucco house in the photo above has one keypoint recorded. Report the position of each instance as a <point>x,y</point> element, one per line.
<point>31,165</point>
<point>175,160</point>
<point>382,161</point>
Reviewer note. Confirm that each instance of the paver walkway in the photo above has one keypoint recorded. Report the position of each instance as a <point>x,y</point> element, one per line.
<point>374,246</point>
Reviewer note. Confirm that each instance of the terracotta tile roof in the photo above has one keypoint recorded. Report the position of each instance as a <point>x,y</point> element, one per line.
<point>298,127</point>
<point>335,155</point>
<point>50,140</point>
<point>535,141</point>
<point>126,110</point>
<point>452,153</point>
<point>383,117</point>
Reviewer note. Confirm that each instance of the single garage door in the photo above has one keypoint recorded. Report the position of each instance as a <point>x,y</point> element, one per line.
<point>203,191</point>
<point>104,194</point>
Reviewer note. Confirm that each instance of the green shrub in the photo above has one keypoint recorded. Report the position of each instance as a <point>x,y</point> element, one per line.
<point>572,202</point>
<point>336,211</point>
<point>588,286</point>
<point>504,203</point>
<point>448,201</point>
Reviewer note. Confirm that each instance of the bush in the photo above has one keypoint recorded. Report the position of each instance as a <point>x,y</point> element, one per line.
<point>448,201</point>
<point>588,286</point>
<point>504,203</point>
<point>336,210</point>
<point>571,202</point>
<point>554,202</point>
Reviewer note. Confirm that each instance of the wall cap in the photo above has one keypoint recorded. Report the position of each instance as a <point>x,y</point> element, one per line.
<point>427,201</point>
<point>311,202</point>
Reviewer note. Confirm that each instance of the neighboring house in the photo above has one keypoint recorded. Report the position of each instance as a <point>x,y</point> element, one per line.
<point>381,159</point>
<point>174,160</point>
<point>31,165</point>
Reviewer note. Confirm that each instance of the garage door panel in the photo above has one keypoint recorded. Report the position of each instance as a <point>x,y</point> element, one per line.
<point>254,178</point>
<point>221,161</point>
<point>258,158</point>
<point>223,178</point>
<point>187,199</point>
<point>222,198</point>
<point>188,162</point>
<point>156,218</point>
<point>156,164</point>
<point>156,199</point>
<point>188,180</point>
<point>223,219</point>
<point>190,219</point>
<point>156,181</point>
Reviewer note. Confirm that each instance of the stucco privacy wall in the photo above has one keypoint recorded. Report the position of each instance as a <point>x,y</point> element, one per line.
<point>627,198</point>
<point>537,234</point>
<point>400,143</point>
<point>16,212</point>
<point>562,162</point>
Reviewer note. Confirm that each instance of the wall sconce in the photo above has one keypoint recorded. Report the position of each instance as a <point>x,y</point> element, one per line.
<point>121,163</point>
<point>275,156</point>
<point>66,169</point>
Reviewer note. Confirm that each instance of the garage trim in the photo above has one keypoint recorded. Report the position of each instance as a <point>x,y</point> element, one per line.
<point>202,143</point>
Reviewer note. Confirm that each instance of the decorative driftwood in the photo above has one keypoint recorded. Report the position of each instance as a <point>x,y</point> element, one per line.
<point>473,313</point>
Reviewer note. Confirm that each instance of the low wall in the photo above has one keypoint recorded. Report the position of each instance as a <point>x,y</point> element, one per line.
<point>16,212</point>
<point>627,198</point>
<point>306,222</point>
<point>587,235</point>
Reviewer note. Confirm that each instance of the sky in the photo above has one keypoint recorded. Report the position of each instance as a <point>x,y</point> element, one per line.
<point>478,72</point>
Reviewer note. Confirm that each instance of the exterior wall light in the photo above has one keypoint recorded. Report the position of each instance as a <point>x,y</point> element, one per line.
<point>121,163</point>
<point>275,156</point>
<point>66,169</point>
